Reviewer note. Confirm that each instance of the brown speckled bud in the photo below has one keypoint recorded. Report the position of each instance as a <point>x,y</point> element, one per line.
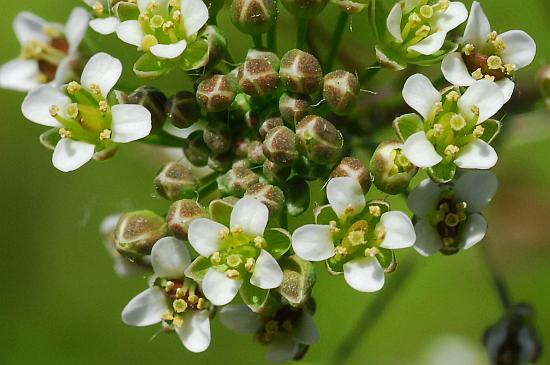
<point>275,173</point>
<point>195,149</point>
<point>215,94</point>
<point>280,146</point>
<point>320,140</point>
<point>153,100</point>
<point>269,124</point>
<point>253,16</point>
<point>340,91</point>
<point>183,109</point>
<point>220,163</point>
<point>237,180</point>
<point>137,232</point>
<point>270,195</point>
<point>257,77</point>
<point>217,137</point>
<point>293,107</point>
<point>181,214</point>
<point>256,153</point>
<point>241,147</point>
<point>391,170</point>
<point>304,8</point>
<point>352,167</point>
<point>301,72</point>
<point>175,181</point>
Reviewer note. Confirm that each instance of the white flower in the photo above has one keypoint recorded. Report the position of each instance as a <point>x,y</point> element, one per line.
<point>448,216</point>
<point>174,300</point>
<point>86,122</point>
<point>486,54</point>
<point>451,122</point>
<point>164,27</point>
<point>104,22</point>
<point>49,51</point>
<point>285,337</point>
<point>352,245</point>
<point>237,252</point>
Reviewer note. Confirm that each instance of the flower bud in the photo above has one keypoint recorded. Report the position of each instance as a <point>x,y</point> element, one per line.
<point>241,106</point>
<point>297,196</point>
<point>301,72</point>
<point>269,124</point>
<point>175,181</point>
<point>256,153</point>
<point>351,7</point>
<point>352,167</point>
<point>217,137</point>
<point>274,173</point>
<point>298,280</point>
<point>153,100</point>
<point>280,146</point>
<point>237,180</point>
<point>217,44</point>
<point>137,232</point>
<point>341,91</point>
<point>293,107</point>
<point>257,77</point>
<point>221,162</point>
<point>271,57</point>
<point>321,141</point>
<point>253,16</point>
<point>391,170</point>
<point>195,149</point>
<point>215,94</point>
<point>181,214</point>
<point>270,195</point>
<point>183,110</point>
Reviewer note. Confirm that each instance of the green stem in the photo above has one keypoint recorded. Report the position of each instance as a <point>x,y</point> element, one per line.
<point>161,138</point>
<point>336,40</point>
<point>272,38</point>
<point>284,220</point>
<point>301,36</point>
<point>209,187</point>
<point>258,43</point>
<point>369,73</point>
<point>498,280</point>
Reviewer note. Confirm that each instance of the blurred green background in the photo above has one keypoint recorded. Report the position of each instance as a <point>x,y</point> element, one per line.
<point>60,300</point>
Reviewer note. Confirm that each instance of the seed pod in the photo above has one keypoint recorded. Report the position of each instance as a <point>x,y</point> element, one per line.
<point>304,8</point>
<point>137,232</point>
<point>269,124</point>
<point>195,149</point>
<point>352,167</point>
<point>274,173</point>
<point>153,100</point>
<point>301,72</point>
<point>391,170</point>
<point>237,180</point>
<point>215,94</point>
<point>270,195</point>
<point>183,110</point>
<point>220,163</point>
<point>293,107</point>
<point>280,146</point>
<point>298,280</point>
<point>256,153</point>
<point>217,137</point>
<point>320,140</point>
<point>180,215</point>
<point>253,16</point>
<point>257,77</point>
<point>175,181</point>
<point>341,91</point>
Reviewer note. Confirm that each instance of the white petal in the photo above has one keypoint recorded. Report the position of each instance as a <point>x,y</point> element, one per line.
<point>69,155</point>
<point>194,14</point>
<point>130,122</point>
<point>506,87</point>
<point>19,75</point>
<point>477,28</point>
<point>306,330</point>
<point>420,94</point>
<point>410,5</point>
<point>203,235</point>
<point>455,15</point>
<point>313,242</point>
<point>146,308</point>
<point>428,240</point>
<point>76,28</point>
<point>431,44</point>
<point>162,5</point>
<point>455,71</point>
<point>240,319</point>
<point>473,231</point>
<point>420,151</point>
<point>476,188</point>
<point>393,22</point>
<point>64,70</point>
<point>399,230</point>
<point>520,48</point>
<point>281,350</point>
<point>267,272</point>
<point>195,331</point>
<point>364,274</point>
<point>251,215</point>
<point>424,198</point>
<point>345,196</point>
<point>105,25</point>
<point>37,104</point>
<point>29,27</point>
<point>169,51</point>
<point>102,69</point>
<point>477,155</point>
<point>170,258</point>
<point>484,94</point>
<point>130,32</point>
<point>218,288</point>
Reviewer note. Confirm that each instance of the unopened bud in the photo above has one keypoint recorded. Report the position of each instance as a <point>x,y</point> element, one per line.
<point>352,167</point>
<point>293,107</point>
<point>195,149</point>
<point>341,91</point>
<point>181,214</point>
<point>390,169</point>
<point>257,77</point>
<point>301,72</point>
<point>183,109</point>
<point>215,94</point>
<point>269,124</point>
<point>175,181</point>
<point>253,16</point>
<point>221,162</point>
<point>217,137</point>
<point>237,180</point>
<point>270,195</point>
<point>274,173</point>
<point>298,280</point>
<point>217,44</point>
<point>256,153</point>
<point>280,146</point>
<point>153,100</point>
<point>137,232</point>
<point>321,141</point>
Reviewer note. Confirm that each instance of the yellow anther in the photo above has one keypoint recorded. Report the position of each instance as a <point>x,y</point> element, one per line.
<point>143,18</point>
<point>457,122</point>
<point>451,150</point>
<point>461,205</point>
<point>493,36</point>
<point>477,74</point>
<point>41,78</point>
<point>356,238</point>
<point>426,11</point>
<point>375,210</point>
<point>222,234</point>
<point>468,49</point>
<point>51,32</point>
<point>236,229</point>
<point>438,108</point>
<point>259,242</point>
<point>167,315</point>
<point>94,88</point>
<point>193,298</point>
<point>443,5</point>
<point>423,31</point>
<point>215,258</point>
<point>201,304</point>
<point>494,63</point>
<point>105,134</point>
<point>475,109</point>
<point>72,110</point>
<point>234,260</point>
<point>438,129</point>
<point>73,87</point>
<point>509,68</point>
<point>489,77</point>
<point>349,210</point>
<point>103,106</point>
<point>380,232</point>
<point>333,227</point>
<point>340,250</point>
<point>478,131</point>
<point>166,27</point>
<point>179,305</point>
<point>153,5</point>
<point>499,45</point>
<point>148,41</point>
<point>180,292</point>
<point>232,274</point>
<point>448,241</point>
<point>174,4</point>
<point>402,160</point>
<point>98,8</point>
<point>371,251</point>
<point>176,16</point>
<point>249,264</point>
<point>414,19</point>
<point>177,321</point>
<point>169,285</point>
<point>65,133</point>
<point>54,110</point>
<point>453,96</point>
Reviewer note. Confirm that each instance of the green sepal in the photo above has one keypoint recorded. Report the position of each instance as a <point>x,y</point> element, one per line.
<point>125,10</point>
<point>195,55</point>
<point>198,268</point>
<point>278,241</point>
<point>324,215</point>
<point>50,138</point>
<point>437,57</point>
<point>491,130</point>
<point>443,172</point>
<point>220,211</point>
<point>389,59</point>
<point>387,260</point>
<point>151,67</point>
<point>298,280</point>
<point>252,296</point>
<point>297,196</point>
<point>407,124</point>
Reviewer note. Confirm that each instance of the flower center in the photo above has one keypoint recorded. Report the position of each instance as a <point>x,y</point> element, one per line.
<point>487,62</point>
<point>161,25</point>
<point>448,218</point>
<point>48,54</point>
<point>280,324</point>
<point>184,295</point>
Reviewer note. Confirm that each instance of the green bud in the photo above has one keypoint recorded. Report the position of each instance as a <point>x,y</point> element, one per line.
<point>153,100</point>
<point>195,149</point>
<point>352,167</point>
<point>280,146</point>
<point>175,181</point>
<point>183,110</point>
<point>237,180</point>
<point>301,72</point>
<point>390,169</point>
<point>256,153</point>
<point>253,16</point>
<point>241,106</point>
<point>293,107</point>
<point>221,162</point>
<point>268,124</point>
<point>321,141</point>
<point>341,91</point>
<point>217,137</point>
<point>257,77</point>
<point>217,44</point>
<point>215,94</point>
<point>297,196</point>
<point>351,7</point>
<point>137,232</point>
<point>270,195</point>
<point>298,280</point>
<point>274,173</point>
<point>304,8</point>
<point>181,214</point>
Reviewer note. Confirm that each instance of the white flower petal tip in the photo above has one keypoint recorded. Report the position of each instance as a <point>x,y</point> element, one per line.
<point>169,51</point>
<point>218,288</point>
<point>240,319</point>
<point>424,198</point>
<point>130,32</point>
<point>102,70</point>
<point>506,87</point>
<point>473,231</point>
<point>455,15</point>
<point>28,27</point>
<point>520,48</point>
<point>313,242</point>
<point>420,151</point>
<point>104,26</point>
<point>399,230</point>
<point>250,215</point>
<point>455,71</point>
<point>430,44</point>
<point>477,28</point>
<point>476,188</point>
<point>267,272</point>
<point>37,104</point>
<point>170,258</point>
<point>428,240</point>
<point>420,94</point>
<point>195,331</point>
<point>364,274</point>
<point>70,155</point>
<point>306,330</point>
<point>477,155</point>
<point>130,122</point>
<point>393,22</point>
<point>194,15</point>
<point>146,308</point>
<point>76,28</point>
<point>345,196</point>
<point>484,95</point>
<point>203,235</point>
<point>19,75</point>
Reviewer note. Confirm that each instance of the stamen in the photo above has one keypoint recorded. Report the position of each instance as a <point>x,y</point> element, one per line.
<point>451,150</point>
<point>98,8</point>
<point>477,74</point>
<point>478,131</point>
<point>167,316</point>
<point>453,96</point>
<point>236,229</point>
<point>222,234</point>
<point>468,49</point>
<point>340,250</point>
<point>259,242</point>
<point>215,258</point>
<point>179,305</point>
<point>54,110</point>
<point>201,304</point>
<point>105,134</point>
<point>232,274</point>
<point>94,88</point>
<point>65,133</point>
<point>509,68</point>
<point>177,321</point>
<point>249,265</point>
<point>333,227</point>
<point>375,210</point>
<point>457,122</point>
<point>371,251</point>
<point>423,31</point>
<point>475,110</point>
<point>72,110</point>
<point>73,87</point>
<point>103,106</point>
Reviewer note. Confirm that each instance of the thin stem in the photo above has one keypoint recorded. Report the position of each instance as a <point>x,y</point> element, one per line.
<point>369,73</point>
<point>272,38</point>
<point>208,188</point>
<point>498,280</point>
<point>258,43</point>
<point>336,40</point>
<point>284,220</point>
<point>161,138</point>
<point>301,36</point>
